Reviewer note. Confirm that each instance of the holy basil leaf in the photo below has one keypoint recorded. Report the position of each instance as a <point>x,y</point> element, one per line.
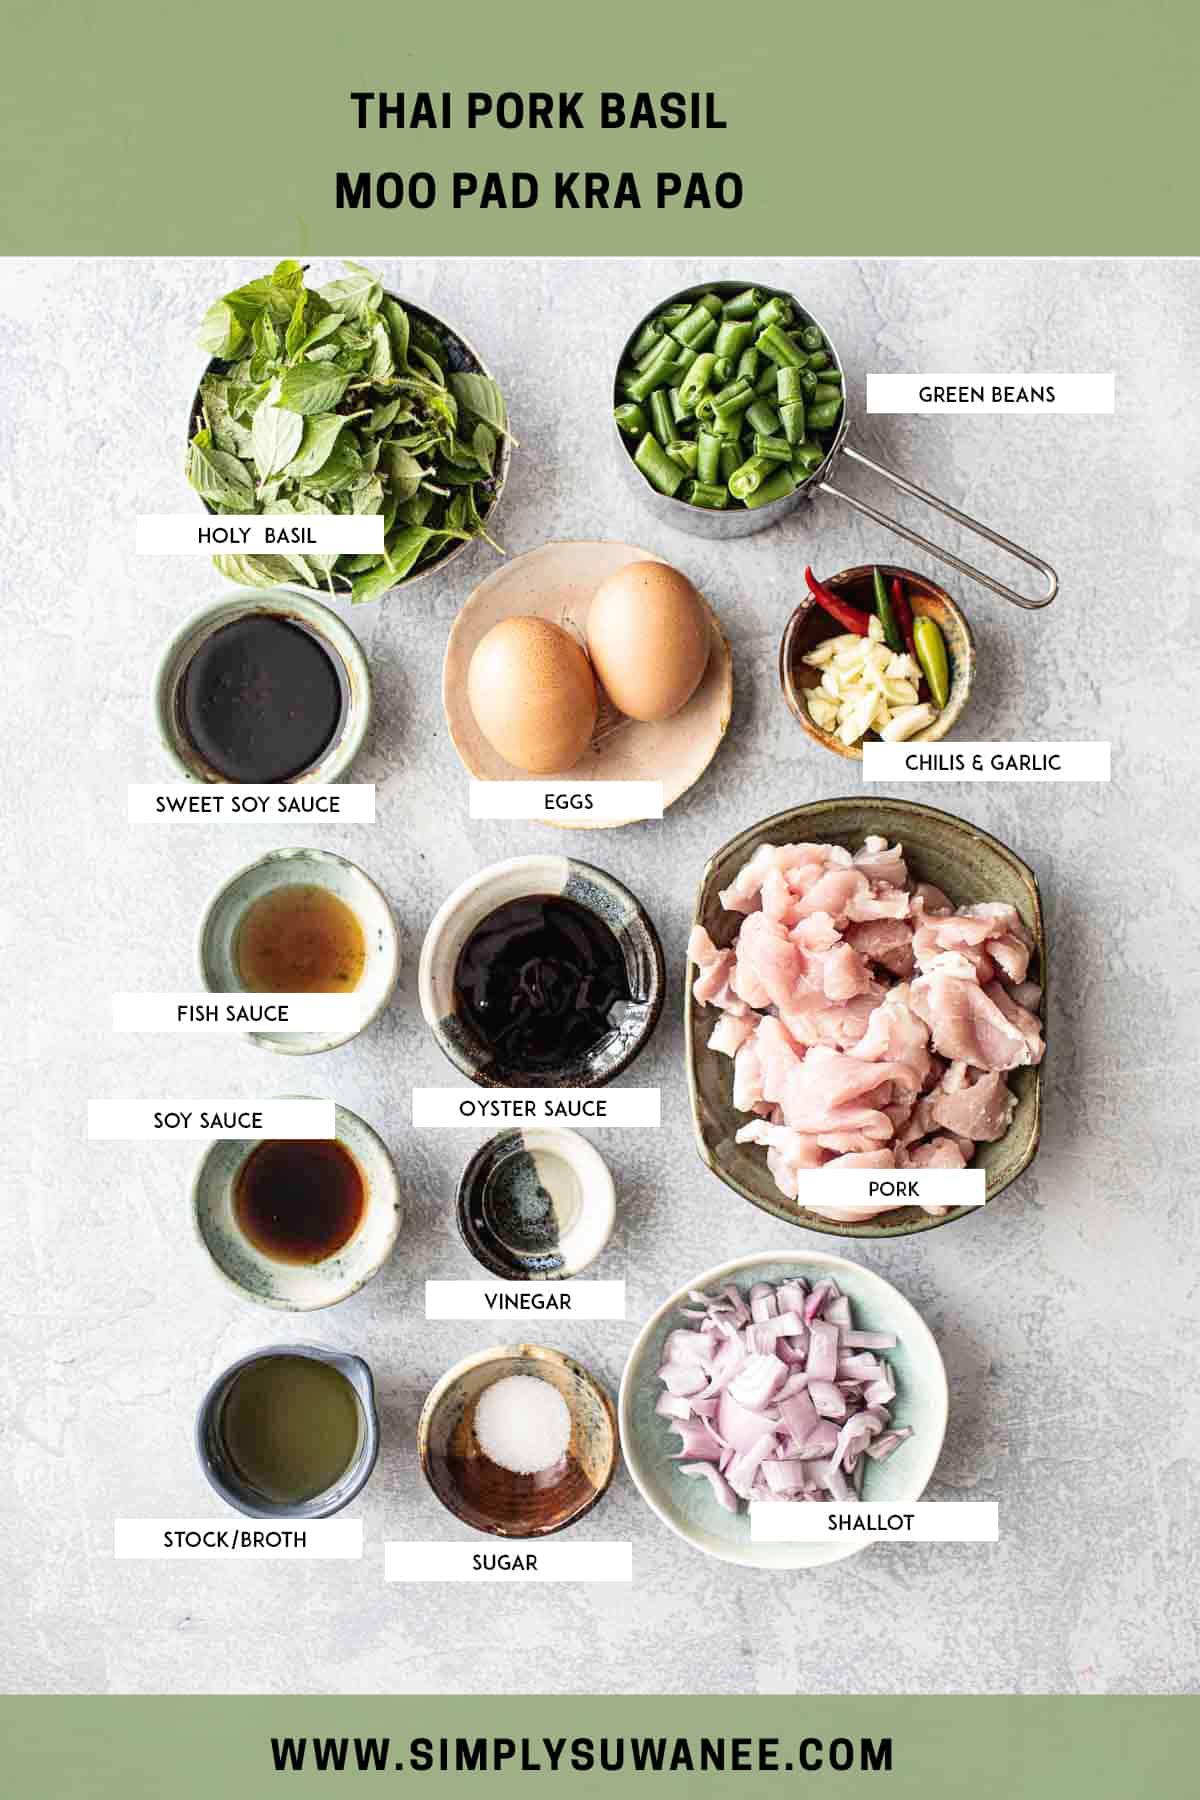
<point>218,476</point>
<point>254,571</point>
<point>396,320</point>
<point>321,433</point>
<point>356,293</point>
<point>312,387</point>
<point>221,331</point>
<point>276,435</point>
<point>483,443</point>
<point>479,395</point>
<point>227,433</point>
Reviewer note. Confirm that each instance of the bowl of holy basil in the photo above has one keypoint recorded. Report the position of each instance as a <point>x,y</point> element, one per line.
<point>339,400</point>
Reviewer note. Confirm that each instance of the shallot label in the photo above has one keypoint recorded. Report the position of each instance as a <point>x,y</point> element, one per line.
<point>914,1521</point>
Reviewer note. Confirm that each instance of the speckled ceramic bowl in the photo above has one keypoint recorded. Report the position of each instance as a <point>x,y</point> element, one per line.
<point>290,1286</point>
<point>968,865</point>
<point>810,625</point>
<point>299,609</point>
<point>492,1499</point>
<point>217,937</point>
<point>589,887</point>
<point>688,1506</point>
<point>225,1479</point>
<point>536,1205</point>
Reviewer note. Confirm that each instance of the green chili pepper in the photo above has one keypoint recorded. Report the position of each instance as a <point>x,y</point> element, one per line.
<point>658,468</point>
<point>630,419</point>
<point>930,646</point>
<point>892,634</point>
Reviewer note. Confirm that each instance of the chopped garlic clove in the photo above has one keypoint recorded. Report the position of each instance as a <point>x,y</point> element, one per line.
<point>907,722</point>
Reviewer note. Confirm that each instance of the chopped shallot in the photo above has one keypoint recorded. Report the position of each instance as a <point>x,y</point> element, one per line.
<point>777,1396</point>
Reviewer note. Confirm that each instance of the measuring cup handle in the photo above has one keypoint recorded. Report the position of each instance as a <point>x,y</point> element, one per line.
<point>1049,578</point>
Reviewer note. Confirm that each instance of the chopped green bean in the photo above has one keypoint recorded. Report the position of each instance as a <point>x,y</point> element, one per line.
<point>645,340</point>
<point>662,346</point>
<point>705,493</point>
<point>630,419</point>
<point>749,476</point>
<point>832,375</point>
<point>775,449</point>
<point>818,359</point>
<point>714,304</point>
<point>763,417</point>
<point>708,457</point>
<point>825,393</point>
<point>777,487</point>
<point>731,458</point>
<point>747,365</point>
<point>723,371</point>
<point>679,411</point>
<point>812,338</point>
<point>790,392</point>
<point>807,456</point>
<point>766,378</point>
<point>745,304</point>
<point>775,311</point>
<point>808,383</point>
<point>661,422</point>
<point>665,373</point>
<point>671,315</point>
<point>696,381</point>
<point>775,343</point>
<point>734,336</point>
<point>657,466</point>
<point>823,417</point>
<point>735,398</point>
<point>684,452</point>
<point>697,328</point>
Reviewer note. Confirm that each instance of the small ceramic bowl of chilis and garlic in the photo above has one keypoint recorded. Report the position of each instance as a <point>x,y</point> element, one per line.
<point>876,653</point>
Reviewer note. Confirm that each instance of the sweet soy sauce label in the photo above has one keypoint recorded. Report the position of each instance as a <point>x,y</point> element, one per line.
<point>347,803</point>
<point>517,1559</point>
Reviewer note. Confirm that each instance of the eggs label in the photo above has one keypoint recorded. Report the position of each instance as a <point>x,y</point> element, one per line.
<point>1090,761</point>
<point>110,1119</point>
<point>217,1540</point>
<point>485,1299</point>
<point>919,1522</point>
<point>459,1106</point>
<point>332,1013</point>
<point>350,803</point>
<point>620,802</point>
<point>521,1559</point>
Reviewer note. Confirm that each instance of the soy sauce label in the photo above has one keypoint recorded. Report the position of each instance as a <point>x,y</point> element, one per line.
<point>349,803</point>
<point>210,1120</point>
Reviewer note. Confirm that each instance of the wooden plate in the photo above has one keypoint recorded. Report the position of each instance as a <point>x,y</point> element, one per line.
<point>557,582</point>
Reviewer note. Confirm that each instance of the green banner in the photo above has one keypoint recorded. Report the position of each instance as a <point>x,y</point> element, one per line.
<point>931,128</point>
<point>908,1748</point>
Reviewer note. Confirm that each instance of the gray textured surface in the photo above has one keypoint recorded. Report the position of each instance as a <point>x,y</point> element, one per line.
<point>1067,1314</point>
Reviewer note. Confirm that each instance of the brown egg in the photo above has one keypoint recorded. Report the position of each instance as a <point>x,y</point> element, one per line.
<point>649,639</point>
<point>533,694</point>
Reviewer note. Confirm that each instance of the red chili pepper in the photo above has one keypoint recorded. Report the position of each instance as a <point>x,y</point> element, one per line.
<point>904,616</point>
<point>845,614</point>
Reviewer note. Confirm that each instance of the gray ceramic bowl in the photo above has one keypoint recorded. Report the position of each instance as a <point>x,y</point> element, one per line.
<point>461,357</point>
<point>492,1499</point>
<point>217,937</point>
<point>688,1506</point>
<point>809,626</point>
<point>299,608</point>
<point>536,1205</point>
<point>289,1286</point>
<point>589,887</point>
<point>967,864</point>
<point>225,1480</point>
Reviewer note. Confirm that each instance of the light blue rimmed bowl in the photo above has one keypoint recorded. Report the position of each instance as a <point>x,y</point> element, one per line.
<point>687,1506</point>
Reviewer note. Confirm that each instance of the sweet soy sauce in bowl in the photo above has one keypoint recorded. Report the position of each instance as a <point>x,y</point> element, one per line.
<point>262,699</point>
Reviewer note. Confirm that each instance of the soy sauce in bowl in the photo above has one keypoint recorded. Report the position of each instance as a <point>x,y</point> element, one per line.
<point>299,1200</point>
